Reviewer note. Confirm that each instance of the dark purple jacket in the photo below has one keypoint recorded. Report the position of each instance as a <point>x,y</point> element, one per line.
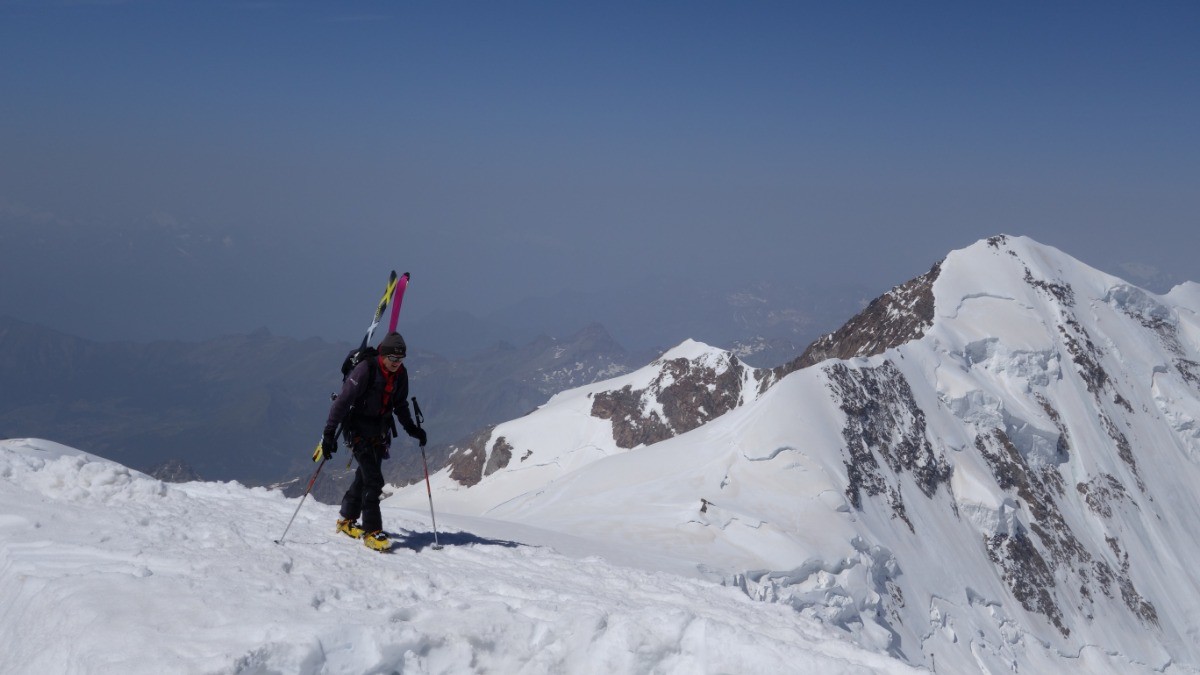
<point>360,408</point>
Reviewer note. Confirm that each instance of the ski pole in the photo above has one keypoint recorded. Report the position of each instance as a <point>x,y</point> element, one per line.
<point>306,491</point>
<point>428,489</point>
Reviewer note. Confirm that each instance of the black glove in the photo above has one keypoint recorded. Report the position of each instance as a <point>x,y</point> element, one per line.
<point>328,445</point>
<point>419,434</point>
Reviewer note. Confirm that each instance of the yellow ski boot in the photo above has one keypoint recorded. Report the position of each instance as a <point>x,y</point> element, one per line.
<point>377,540</point>
<point>350,528</point>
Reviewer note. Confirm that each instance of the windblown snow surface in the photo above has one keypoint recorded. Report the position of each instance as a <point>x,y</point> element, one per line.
<point>106,570</point>
<point>1012,489</point>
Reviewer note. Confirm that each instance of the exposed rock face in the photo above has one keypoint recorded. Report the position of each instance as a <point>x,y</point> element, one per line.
<point>470,463</point>
<point>499,457</point>
<point>1025,571</point>
<point>1101,492</point>
<point>1041,492</point>
<point>632,424</point>
<point>883,419</point>
<point>1022,565</point>
<point>901,315</point>
<point>683,396</point>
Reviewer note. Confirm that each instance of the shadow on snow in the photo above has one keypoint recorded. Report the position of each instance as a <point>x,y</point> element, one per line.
<point>418,541</point>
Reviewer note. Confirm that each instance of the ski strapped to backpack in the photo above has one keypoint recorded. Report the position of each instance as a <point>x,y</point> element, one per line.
<point>365,351</point>
<point>403,284</point>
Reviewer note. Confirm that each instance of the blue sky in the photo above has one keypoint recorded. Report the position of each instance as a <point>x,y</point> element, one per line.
<point>272,160</point>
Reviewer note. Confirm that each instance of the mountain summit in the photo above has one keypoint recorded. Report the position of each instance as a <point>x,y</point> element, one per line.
<point>991,468</point>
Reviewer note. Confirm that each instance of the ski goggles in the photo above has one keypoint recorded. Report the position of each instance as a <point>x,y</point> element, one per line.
<point>394,358</point>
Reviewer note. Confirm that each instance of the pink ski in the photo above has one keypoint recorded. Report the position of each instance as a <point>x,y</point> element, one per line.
<point>397,299</point>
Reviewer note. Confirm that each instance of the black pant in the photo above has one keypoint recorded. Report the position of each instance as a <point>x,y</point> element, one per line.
<point>362,499</point>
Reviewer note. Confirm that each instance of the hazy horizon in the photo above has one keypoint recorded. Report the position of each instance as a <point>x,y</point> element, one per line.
<point>177,170</point>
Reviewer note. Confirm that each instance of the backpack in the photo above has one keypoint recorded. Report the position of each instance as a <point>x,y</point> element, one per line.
<point>355,357</point>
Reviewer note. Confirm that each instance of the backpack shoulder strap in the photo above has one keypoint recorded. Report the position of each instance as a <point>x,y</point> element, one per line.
<point>368,382</point>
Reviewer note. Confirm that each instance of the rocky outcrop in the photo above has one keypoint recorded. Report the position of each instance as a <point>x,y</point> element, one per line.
<point>883,421</point>
<point>1022,565</point>
<point>684,395</point>
<point>901,315</point>
<point>471,462</point>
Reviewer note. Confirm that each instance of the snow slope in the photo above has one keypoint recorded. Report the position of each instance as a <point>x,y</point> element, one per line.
<point>105,570</point>
<point>1010,488</point>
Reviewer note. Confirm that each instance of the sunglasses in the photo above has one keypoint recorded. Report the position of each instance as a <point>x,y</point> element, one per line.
<point>394,358</point>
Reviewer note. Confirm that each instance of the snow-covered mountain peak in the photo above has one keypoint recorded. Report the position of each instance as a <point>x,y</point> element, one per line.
<point>1019,270</point>
<point>693,350</point>
<point>1015,303</point>
<point>1186,294</point>
<point>689,385</point>
<point>1041,400</point>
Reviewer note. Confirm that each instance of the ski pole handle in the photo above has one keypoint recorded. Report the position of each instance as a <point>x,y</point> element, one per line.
<point>420,419</point>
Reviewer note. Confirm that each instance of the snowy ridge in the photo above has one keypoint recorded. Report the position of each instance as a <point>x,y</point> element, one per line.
<point>105,570</point>
<point>1005,483</point>
<point>683,389</point>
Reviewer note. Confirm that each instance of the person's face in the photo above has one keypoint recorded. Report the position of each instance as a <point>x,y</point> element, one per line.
<point>392,362</point>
